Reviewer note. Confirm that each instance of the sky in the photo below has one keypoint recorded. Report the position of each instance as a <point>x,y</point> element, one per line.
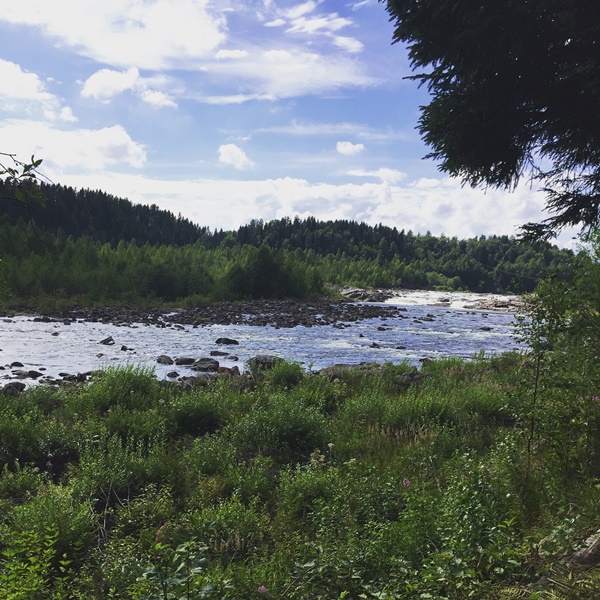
<point>225,111</point>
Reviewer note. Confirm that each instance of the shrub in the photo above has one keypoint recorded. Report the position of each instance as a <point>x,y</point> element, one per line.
<point>282,429</point>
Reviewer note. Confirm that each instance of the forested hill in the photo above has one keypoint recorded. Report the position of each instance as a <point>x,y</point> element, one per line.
<point>90,233</point>
<point>101,217</point>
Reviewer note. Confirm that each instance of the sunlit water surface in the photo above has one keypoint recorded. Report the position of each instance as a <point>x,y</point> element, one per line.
<point>425,331</point>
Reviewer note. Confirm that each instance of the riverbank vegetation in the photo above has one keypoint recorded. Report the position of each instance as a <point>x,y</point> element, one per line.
<point>89,248</point>
<point>476,479</point>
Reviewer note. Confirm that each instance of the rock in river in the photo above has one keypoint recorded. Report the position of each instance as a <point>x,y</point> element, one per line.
<point>227,341</point>
<point>206,365</point>
<point>184,361</point>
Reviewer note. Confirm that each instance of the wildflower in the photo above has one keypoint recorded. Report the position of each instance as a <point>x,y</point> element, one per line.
<point>406,483</point>
<point>594,398</point>
<point>262,589</point>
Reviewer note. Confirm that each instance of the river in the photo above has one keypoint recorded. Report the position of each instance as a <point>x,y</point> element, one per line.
<point>422,330</point>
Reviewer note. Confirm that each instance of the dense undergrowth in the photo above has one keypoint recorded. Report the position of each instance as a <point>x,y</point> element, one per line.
<point>451,483</point>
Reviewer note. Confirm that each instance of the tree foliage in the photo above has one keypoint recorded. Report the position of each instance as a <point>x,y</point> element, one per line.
<point>21,178</point>
<point>515,87</point>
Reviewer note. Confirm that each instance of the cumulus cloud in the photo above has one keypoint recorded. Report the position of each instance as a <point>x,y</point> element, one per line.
<point>349,149</point>
<point>67,151</point>
<point>24,91</point>
<point>150,35</point>
<point>230,154</point>
<point>192,35</point>
<point>105,84</point>
<point>158,99</point>
<point>391,175</point>
<point>21,85</point>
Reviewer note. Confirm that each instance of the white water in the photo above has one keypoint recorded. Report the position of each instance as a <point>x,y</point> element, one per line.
<point>75,348</point>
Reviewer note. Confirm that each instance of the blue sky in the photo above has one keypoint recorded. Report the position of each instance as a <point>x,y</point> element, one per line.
<point>226,111</point>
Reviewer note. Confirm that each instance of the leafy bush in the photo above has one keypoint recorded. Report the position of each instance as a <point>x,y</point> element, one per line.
<point>278,427</point>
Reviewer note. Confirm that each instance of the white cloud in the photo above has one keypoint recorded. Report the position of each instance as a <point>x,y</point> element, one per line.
<point>300,10</point>
<point>275,23</point>
<point>105,84</point>
<point>162,35</point>
<point>231,54</point>
<point>278,55</point>
<point>286,73</point>
<point>357,5</point>
<point>234,99</point>
<point>390,175</point>
<point>230,154</point>
<point>158,99</point>
<point>348,44</point>
<point>349,149</point>
<point>322,24</point>
<point>66,114</point>
<point>345,128</point>
<point>146,34</point>
<point>20,85</point>
<point>23,91</point>
<point>68,151</point>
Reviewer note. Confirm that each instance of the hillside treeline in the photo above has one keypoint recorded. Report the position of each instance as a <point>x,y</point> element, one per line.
<point>89,247</point>
<point>100,216</point>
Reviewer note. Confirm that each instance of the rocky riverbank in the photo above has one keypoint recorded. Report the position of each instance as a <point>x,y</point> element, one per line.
<point>278,313</point>
<point>349,308</point>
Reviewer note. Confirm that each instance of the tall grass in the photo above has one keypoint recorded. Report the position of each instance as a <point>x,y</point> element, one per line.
<point>388,484</point>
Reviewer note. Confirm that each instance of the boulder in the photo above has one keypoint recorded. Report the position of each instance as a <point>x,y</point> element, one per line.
<point>184,361</point>
<point>206,365</point>
<point>14,388</point>
<point>227,341</point>
<point>163,359</point>
<point>107,341</point>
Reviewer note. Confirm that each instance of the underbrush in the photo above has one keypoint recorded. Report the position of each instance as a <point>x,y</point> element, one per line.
<point>448,482</point>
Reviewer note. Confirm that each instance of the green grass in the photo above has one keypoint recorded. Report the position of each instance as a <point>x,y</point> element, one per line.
<point>388,485</point>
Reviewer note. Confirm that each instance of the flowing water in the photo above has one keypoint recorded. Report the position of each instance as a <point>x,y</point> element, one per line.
<point>424,331</point>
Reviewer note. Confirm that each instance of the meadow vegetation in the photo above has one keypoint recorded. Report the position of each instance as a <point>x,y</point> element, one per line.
<point>464,479</point>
